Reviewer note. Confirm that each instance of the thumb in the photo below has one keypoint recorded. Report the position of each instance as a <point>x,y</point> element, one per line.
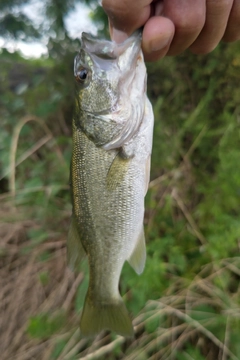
<point>126,16</point>
<point>117,35</point>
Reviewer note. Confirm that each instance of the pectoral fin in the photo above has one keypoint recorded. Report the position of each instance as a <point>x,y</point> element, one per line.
<point>138,256</point>
<point>117,171</point>
<point>75,250</point>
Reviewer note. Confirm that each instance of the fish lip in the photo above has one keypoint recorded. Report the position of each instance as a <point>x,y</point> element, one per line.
<point>88,40</point>
<point>107,49</point>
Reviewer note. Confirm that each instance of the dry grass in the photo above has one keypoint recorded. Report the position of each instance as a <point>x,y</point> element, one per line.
<point>22,296</point>
<point>163,327</point>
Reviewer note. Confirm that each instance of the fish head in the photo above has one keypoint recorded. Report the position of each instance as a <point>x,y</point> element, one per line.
<point>102,68</point>
<point>106,75</point>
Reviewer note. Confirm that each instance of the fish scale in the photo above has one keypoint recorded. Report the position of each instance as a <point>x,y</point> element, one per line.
<point>109,175</point>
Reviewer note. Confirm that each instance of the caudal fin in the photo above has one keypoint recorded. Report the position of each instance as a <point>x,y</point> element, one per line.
<point>114,317</point>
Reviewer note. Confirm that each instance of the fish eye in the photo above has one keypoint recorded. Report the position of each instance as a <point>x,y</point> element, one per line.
<point>82,75</point>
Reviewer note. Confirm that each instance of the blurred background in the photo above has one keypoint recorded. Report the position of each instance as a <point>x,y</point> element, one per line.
<point>185,305</point>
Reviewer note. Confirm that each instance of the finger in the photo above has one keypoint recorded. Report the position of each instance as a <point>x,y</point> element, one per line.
<point>188,17</point>
<point>232,32</point>
<point>217,13</point>
<point>127,15</point>
<point>157,37</point>
<point>117,35</point>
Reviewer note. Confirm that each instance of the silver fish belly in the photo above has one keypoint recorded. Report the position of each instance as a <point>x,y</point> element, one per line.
<point>112,141</point>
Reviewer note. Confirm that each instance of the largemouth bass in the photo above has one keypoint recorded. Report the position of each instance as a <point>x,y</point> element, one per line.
<point>112,142</point>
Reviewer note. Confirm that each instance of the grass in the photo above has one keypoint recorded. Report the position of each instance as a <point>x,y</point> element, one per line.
<point>186,303</point>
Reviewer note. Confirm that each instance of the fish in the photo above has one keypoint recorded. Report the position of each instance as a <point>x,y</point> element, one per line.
<point>110,168</point>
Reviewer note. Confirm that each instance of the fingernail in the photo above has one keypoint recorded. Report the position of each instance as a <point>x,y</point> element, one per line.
<point>158,44</point>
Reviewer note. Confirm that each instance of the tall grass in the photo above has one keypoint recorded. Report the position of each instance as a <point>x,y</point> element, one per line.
<point>186,303</point>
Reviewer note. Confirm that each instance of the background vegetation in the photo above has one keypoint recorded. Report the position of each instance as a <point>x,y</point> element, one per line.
<point>186,305</point>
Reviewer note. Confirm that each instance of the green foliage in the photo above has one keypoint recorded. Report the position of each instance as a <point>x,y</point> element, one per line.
<point>192,226</point>
<point>189,354</point>
<point>14,23</point>
<point>58,349</point>
<point>18,27</point>
<point>43,326</point>
<point>44,278</point>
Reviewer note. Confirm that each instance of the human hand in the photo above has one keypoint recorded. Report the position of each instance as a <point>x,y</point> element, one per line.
<point>172,26</point>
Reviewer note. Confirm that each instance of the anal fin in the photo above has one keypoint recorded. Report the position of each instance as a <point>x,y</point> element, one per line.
<point>138,257</point>
<point>75,250</point>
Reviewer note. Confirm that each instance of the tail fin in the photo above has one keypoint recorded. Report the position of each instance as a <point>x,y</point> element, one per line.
<point>113,316</point>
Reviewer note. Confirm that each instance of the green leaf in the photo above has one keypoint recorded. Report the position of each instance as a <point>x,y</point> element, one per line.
<point>43,326</point>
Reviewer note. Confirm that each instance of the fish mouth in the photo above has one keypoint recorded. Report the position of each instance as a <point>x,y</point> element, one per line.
<point>126,75</point>
<point>108,49</point>
<point>105,52</point>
